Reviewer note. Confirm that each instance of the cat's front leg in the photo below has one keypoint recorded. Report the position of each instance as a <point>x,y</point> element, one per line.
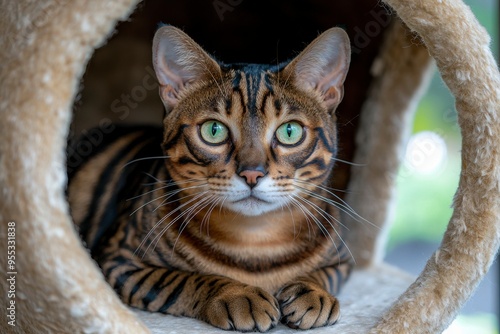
<point>217,300</point>
<point>309,301</point>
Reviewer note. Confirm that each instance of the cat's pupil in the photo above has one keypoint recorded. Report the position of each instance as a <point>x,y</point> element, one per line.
<point>214,128</point>
<point>289,130</point>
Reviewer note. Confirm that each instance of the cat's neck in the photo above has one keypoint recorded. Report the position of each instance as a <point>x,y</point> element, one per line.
<point>279,227</point>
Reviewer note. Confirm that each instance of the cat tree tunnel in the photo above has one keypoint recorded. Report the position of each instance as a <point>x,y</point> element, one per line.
<point>46,46</point>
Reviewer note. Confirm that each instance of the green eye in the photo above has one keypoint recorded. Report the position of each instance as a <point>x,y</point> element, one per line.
<point>289,133</point>
<point>214,132</point>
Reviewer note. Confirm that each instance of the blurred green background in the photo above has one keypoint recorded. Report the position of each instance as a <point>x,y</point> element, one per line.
<point>428,177</point>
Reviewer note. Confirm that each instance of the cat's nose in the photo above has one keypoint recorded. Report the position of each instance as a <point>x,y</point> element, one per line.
<point>252,176</point>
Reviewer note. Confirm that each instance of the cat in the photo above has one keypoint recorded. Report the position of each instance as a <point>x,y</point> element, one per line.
<point>225,214</point>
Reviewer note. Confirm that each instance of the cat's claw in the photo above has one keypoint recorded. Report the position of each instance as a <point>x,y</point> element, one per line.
<point>242,308</point>
<point>305,305</point>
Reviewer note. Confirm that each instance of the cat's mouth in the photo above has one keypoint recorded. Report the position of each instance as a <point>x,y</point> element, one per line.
<point>252,198</point>
<point>250,205</point>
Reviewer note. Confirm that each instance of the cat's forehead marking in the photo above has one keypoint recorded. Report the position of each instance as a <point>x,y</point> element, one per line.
<point>254,85</point>
<point>253,81</point>
<point>250,81</point>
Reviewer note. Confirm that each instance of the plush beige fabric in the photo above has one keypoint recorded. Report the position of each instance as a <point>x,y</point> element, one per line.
<point>45,46</point>
<point>461,48</point>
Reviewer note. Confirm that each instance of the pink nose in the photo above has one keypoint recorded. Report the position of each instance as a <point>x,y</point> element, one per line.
<point>251,176</point>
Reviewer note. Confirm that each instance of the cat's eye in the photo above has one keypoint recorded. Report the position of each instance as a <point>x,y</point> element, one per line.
<point>289,133</point>
<point>214,132</point>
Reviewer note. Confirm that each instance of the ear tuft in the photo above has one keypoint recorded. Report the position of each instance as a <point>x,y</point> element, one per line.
<point>323,66</point>
<point>178,62</point>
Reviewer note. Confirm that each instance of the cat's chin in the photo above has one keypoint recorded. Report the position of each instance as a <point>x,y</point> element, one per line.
<point>251,206</point>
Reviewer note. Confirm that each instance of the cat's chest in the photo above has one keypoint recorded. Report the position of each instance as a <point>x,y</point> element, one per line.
<point>268,263</point>
<point>265,251</point>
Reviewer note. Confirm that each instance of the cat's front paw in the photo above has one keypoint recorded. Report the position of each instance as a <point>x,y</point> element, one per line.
<point>243,308</point>
<point>306,305</point>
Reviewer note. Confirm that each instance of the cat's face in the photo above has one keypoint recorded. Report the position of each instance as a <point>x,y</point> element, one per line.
<point>250,138</point>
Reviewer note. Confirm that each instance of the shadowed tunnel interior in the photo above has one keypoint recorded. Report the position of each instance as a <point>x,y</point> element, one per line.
<point>119,84</point>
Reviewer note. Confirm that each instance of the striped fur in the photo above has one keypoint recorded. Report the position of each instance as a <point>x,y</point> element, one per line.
<point>242,233</point>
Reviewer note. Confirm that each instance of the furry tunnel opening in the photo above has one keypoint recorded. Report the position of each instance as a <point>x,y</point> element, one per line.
<point>107,77</point>
<point>119,86</point>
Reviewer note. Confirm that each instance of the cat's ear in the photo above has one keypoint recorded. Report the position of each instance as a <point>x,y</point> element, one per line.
<point>179,62</point>
<point>323,66</point>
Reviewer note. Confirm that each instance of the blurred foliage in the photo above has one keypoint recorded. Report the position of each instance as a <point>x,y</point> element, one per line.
<point>424,200</point>
<point>477,324</point>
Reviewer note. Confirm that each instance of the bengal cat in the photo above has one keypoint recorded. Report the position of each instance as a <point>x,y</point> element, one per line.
<point>225,214</point>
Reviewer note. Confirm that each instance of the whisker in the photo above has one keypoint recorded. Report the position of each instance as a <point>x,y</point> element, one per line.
<point>348,162</point>
<point>288,78</point>
<point>322,228</point>
<point>326,187</point>
<point>215,80</point>
<point>316,220</point>
<point>168,195</point>
<point>154,178</point>
<point>326,200</point>
<point>164,187</point>
<point>346,209</point>
<point>198,207</point>
<point>156,239</point>
<point>206,218</point>
<point>171,181</point>
<point>166,202</point>
<point>146,158</point>
<point>163,220</point>
<point>321,211</point>
<point>187,215</point>
<point>342,205</point>
<point>189,212</point>
<point>222,204</point>
<point>305,212</point>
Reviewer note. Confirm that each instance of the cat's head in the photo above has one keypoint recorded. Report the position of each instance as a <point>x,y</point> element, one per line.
<point>251,138</point>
